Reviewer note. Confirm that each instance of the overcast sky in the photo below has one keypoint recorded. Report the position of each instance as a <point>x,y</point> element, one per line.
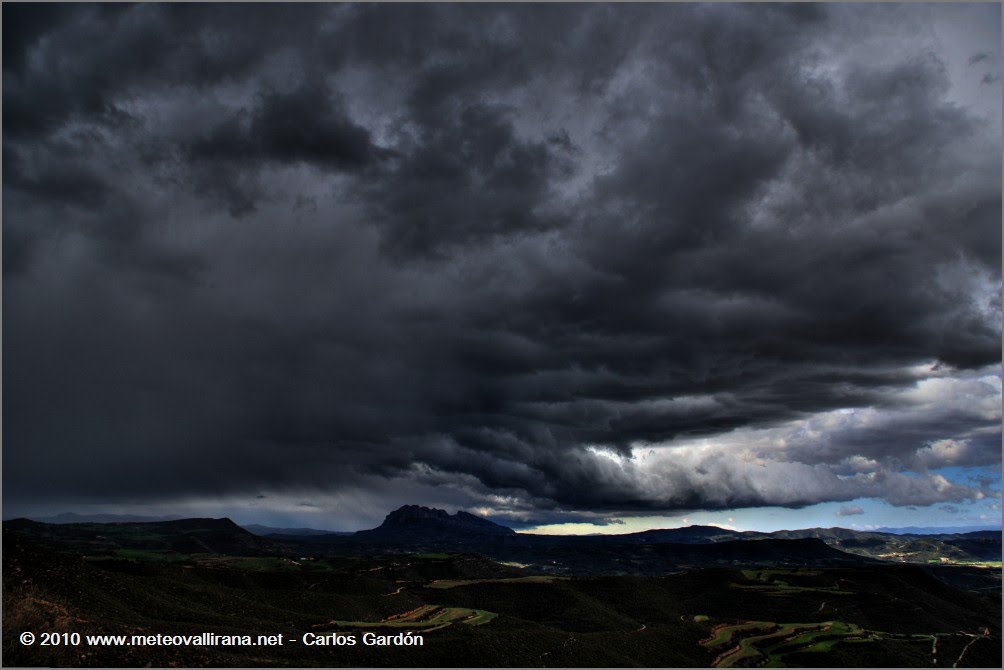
<point>614,266</point>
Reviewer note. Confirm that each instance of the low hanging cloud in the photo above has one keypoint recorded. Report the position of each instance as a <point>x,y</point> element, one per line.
<point>850,510</point>
<point>541,261</point>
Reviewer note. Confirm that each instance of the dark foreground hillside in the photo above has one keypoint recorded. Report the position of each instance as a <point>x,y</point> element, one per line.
<point>472,611</point>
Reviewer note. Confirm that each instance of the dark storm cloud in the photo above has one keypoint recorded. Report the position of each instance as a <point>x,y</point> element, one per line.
<point>468,179</point>
<point>503,251</point>
<point>77,60</point>
<point>301,126</point>
<point>65,183</point>
<point>305,126</point>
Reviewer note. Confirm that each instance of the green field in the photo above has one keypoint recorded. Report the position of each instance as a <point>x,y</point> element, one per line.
<point>425,617</point>
<point>454,583</point>
<point>778,640</point>
<point>722,634</point>
<point>150,555</point>
<point>770,644</point>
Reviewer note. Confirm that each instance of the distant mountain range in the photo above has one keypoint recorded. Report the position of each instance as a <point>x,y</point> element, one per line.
<point>70,517</point>
<point>267,531</point>
<point>257,529</point>
<point>415,515</point>
<point>417,529</point>
<point>938,530</point>
<point>420,529</point>
<point>178,536</point>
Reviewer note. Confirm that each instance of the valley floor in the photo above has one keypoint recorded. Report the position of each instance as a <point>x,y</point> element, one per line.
<point>471,611</point>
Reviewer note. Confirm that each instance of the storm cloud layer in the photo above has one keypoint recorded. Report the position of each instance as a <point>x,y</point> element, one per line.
<point>556,257</point>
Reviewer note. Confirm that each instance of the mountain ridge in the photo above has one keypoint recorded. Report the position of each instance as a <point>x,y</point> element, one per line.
<point>410,520</point>
<point>418,529</point>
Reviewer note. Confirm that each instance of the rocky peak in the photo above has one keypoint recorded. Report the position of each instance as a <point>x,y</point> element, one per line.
<point>415,516</point>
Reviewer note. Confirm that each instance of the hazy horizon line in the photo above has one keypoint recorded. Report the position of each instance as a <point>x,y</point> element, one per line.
<point>137,518</point>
